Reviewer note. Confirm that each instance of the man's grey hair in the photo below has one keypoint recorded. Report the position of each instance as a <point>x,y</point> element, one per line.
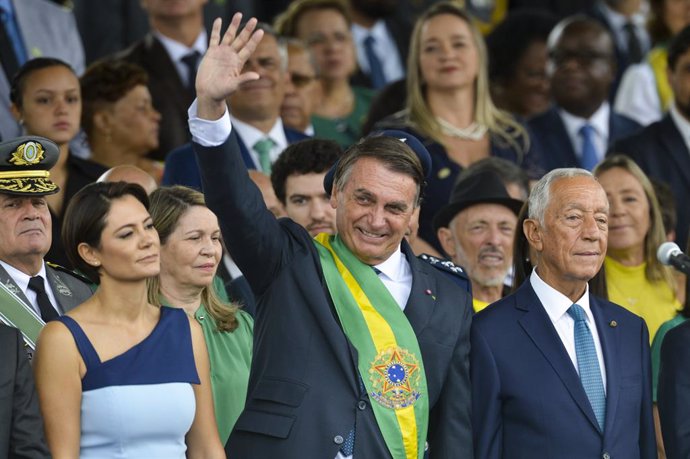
<point>282,44</point>
<point>541,193</point>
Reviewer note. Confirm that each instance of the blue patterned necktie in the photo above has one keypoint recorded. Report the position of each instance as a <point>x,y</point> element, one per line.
<point>590,158</point>
<point>263,149</point>
<point>378,79</point>
<point>588,364</point>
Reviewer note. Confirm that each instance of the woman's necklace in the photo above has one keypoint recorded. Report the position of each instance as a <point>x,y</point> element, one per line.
<point>474,131</point>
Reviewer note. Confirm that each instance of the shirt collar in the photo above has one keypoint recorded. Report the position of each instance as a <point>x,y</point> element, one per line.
<point>21,278</point>
<point>378,31</point>
<point>618,20</point>
<point>250,134</point>
<point>177,50</point>
<point>599,121</point>
<point>394,266</point>
<point>555,303</point>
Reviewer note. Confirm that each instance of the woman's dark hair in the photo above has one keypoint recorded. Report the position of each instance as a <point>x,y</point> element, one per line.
<point>509,41</point>
<point>86,215</point>
<point>104,83</point>
<point>19,79</point>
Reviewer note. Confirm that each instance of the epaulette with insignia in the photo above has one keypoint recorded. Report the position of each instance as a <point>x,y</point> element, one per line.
<point>78,275</point>
<point>450,269</point>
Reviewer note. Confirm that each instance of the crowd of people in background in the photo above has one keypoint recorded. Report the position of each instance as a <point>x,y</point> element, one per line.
<point>192,202</point>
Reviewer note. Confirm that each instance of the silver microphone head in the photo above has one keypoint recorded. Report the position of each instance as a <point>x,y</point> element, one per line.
<point>665,251</point>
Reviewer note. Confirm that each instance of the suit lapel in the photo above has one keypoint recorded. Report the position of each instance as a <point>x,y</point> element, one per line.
<point>608,337</point>
<point>560,139</point>
<point>63,293</point>
<point>422,301</point>
<point>164,67</point>
<point>675,145</point>
<point>541,331</point>
<point>244,151</point>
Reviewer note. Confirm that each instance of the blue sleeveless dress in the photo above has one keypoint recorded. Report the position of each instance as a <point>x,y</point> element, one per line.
<point>139,404</point>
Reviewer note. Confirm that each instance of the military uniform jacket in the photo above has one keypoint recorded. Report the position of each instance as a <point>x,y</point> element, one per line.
<point>69,290</point>
<point>304,391</point>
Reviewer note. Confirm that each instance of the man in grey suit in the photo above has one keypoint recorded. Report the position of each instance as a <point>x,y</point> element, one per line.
<point>35,28</point>
<point>32,291</point>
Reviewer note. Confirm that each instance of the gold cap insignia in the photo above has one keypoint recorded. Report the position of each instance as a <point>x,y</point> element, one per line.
<point>27,154</point>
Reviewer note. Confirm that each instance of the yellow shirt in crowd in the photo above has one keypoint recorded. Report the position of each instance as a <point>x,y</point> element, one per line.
<point>627,286</point>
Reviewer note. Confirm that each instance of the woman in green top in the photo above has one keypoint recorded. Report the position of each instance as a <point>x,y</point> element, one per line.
<point>190,253</point>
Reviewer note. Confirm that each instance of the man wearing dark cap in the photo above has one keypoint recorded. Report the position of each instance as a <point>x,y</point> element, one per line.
<point>476,229</point>
<point>32,292</point>
<point>361,350</point>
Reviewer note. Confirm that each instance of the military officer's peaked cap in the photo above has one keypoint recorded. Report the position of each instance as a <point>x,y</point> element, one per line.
<point>25,163</point>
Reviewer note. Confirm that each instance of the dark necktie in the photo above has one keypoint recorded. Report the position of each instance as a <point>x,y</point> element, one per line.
<point>378,79</point>
<point>634,45</point>
<point>588,364</point>
<point>191,61</point>
<point>48,312</point>
<point>8,57</point>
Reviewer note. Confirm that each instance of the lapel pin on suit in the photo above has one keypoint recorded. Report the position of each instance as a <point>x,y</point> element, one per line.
<point>429,292</point>
<point>613,324</point>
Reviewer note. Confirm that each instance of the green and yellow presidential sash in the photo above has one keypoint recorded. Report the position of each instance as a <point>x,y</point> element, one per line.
<point>389,361</point>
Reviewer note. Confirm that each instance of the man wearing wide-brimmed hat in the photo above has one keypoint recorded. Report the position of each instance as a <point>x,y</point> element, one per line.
<point>476,229</point>
<point>32,291</point>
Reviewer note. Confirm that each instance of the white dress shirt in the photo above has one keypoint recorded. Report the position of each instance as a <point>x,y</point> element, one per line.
<point>618,21</point>
<point>557,305</point>
<point>599,121</point>
<point>177,51</point>
<point>22,281</point>
<point>250,135</point>
<point>384,47</point>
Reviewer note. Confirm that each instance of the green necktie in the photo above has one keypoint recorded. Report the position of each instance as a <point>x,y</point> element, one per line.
<point>263,149</point>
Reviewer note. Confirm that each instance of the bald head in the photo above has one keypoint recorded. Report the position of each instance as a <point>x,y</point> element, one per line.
<point>130,174</point>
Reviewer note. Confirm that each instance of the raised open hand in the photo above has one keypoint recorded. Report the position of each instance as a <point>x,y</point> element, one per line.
<point>220,70</point>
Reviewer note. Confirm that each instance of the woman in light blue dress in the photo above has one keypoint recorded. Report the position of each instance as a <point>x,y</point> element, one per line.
<point>120,377</point>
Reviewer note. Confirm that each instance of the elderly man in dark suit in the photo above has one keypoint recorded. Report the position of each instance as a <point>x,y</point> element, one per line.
<point>578,129</point>
<point>32,291</point>
<point>662,149</point>
<point>349,361</point>
<point>21,425</point>
<point>556,372</point>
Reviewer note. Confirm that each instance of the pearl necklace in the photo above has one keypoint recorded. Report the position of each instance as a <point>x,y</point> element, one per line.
<point>474,131</point>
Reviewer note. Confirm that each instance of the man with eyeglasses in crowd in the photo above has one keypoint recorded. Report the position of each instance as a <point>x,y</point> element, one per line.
<point>255,117</point>
<point>578,129</point>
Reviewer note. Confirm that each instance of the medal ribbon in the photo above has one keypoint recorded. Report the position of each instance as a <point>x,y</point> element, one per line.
<point>389,358</point>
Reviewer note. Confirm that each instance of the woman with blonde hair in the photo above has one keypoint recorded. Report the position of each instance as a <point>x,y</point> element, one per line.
<point>449,106</point>
<point>190,253</point>
<point>635,278</point>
